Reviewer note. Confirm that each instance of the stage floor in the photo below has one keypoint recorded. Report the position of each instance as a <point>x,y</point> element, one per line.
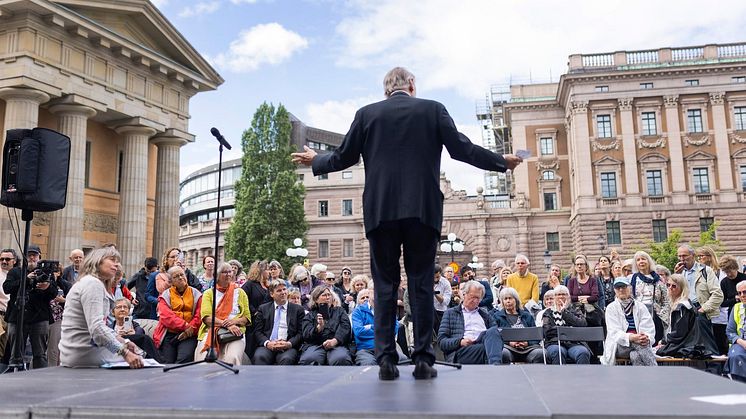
<point>518,391</point>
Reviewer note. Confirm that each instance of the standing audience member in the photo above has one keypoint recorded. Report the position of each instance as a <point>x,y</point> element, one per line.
<point>441,293</point>
<point>257,291</point>
<point>704,286</point>
<point>56,307</point>
<point>562,313</point>
<point>630,328</point>
<point>553,279</point>
<point>497,286</point>
<point>8,260</point>
<point>178,319</point>
<point>231,315</point>
<point>86,340</point>
<point>649,290</point>
<point>468,334</point>
<point>70,274</point>
<point>607,280</point>
<point>143,308</point>
<point>326,331</point>
<point>729,267</point>
<point>36,311</point>
<point>238,273</point>
<point>584,292</point>
<point>278,328</point>
<point>523,281</point>
<point>736,333</point>
<point>276,273</point>
<point>208,276</point>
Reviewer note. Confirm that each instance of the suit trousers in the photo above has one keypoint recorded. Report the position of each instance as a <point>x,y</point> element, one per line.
<point>419,243</point>
<point>263,356</point>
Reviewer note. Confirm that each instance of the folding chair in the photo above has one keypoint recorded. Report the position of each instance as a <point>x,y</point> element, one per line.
<point>522,334</point>
<point>578,334</point>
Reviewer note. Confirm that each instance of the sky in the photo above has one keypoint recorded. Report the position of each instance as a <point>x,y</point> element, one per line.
<point>324,59</point>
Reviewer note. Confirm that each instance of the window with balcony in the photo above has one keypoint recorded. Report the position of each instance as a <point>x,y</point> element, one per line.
<point>693,82</point>
<point>323,248</point>
<point>613,233</point>
<point>323,208</point>
<point>654,182</point>
<point>347,207</point>
<point>646,85</point>
<point>694,121</point>
<point>347,249</point>
<point>547,146</point>
<point>550,201</point>
<point>660,231</point>
<point>648,124</point>
<point>553,242</point>
<point>608,185</point>
<point>739,116</point>
<point>701,180</point>
<point>603,126</point>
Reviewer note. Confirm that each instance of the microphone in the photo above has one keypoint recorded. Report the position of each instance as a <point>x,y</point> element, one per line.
<point>214,131</point>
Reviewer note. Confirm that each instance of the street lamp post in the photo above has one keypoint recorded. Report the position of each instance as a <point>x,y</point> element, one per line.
<point>547,259</point>
<point>451,245</point>
<point>475,264</point>
<point>297,251</point>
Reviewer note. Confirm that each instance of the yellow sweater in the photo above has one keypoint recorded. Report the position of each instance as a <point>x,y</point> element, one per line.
<point>527,286</point>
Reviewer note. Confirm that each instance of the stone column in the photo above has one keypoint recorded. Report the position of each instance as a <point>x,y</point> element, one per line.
<point>166,224</point>
<point>678,173</point>
<point>583,169</point>
<point>632,196</point>
<point>727,193</point>
<point>21,111</point>
<point>66,227</point>
<point>133,196</point>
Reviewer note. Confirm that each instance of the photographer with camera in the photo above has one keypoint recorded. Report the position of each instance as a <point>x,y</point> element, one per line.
<point>40,290</point>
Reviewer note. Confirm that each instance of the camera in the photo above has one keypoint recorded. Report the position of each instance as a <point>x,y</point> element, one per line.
<point>45,270</point>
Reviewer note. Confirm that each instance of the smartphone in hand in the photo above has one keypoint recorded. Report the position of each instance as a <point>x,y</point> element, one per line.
<point>128,323</point>
<point>324,310</point>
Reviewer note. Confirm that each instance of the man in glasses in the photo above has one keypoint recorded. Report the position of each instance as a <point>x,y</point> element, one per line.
<point>8,260</point>
<point>704,286</point>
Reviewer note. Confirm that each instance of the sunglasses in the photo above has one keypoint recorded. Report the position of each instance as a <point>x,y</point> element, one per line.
<point>671,286</point>
<point>740,292</point>
<point>368,298</point>
<point>6,259</point>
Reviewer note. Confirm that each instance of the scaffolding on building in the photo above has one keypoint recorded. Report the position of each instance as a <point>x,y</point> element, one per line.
<point>496,136</point>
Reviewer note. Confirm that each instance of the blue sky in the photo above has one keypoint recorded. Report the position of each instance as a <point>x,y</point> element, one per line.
<point>323,59</point>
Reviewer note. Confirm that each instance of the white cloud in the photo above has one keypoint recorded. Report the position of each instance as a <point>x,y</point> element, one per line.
<point>469,46</point>
<point>244,1</point>
<point>462,175</point>
<point>201,8</point>
<point>334,115</point>
<point>262,44</point>
<point>159,3</point>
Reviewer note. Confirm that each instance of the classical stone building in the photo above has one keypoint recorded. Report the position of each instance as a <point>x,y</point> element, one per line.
<point>116,77</point>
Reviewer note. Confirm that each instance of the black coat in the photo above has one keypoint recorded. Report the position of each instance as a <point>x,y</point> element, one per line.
<point>400,139</point>
<point>257,295</point>
<point>264,320</point>
<point>139,280</point>
<point>691,335</point>
<point>37,305</point>
<point>337,326</point>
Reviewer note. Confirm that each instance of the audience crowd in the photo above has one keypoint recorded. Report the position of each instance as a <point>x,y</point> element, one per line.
<point>87,314</point>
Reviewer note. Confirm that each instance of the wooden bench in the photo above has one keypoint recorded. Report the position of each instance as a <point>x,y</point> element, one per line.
<point>699,364</point>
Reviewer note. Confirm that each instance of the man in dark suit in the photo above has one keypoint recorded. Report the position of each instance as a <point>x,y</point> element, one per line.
<point>277,328</point>
<point>401,139</point>
<point>70,273</point>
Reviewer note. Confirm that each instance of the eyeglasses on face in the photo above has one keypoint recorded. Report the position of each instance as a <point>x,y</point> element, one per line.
<point>671,285</point>
<point>741,292</point>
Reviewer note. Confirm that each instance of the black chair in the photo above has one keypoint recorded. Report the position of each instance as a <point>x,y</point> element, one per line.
<point>579,334</point>
<point>524,334</point>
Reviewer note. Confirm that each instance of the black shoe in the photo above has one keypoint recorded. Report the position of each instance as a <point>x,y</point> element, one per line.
<point>424,371</point>
<point>388,371</point>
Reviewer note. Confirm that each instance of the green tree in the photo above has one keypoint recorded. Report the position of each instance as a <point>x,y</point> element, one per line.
<point>664,253</point>
<point>269,196</point>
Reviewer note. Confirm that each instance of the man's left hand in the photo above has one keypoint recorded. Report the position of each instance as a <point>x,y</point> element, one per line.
<point>305,157</point>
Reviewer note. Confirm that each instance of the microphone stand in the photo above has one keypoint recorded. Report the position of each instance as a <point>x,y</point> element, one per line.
<point>212,355</point>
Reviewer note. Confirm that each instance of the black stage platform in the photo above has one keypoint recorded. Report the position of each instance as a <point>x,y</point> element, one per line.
<point>530,391</point>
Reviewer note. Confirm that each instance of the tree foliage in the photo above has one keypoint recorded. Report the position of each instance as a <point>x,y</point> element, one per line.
<point>664,253</point>
<point>268,196</point>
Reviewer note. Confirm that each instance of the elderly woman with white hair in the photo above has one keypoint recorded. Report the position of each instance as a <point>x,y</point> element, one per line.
<point>563,313</point>
<point>512,315</point>
<point>300,277</point>
<point>650,290</point>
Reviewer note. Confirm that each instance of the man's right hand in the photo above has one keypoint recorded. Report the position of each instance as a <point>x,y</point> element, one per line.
<point>466,342</point>
<point>678,268</point>
<point>512,161</point>
<point>306,157</point>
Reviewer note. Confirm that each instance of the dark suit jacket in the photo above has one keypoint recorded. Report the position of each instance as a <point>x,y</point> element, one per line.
<point>401,139</point>
<point>68,274</point>
<point>264,320</point>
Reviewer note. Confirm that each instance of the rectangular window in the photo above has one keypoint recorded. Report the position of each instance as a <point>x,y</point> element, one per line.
<point>701,180</point>
<point>550,201</point>
<point>547,146</point>
<point>693,82</point>
<point>323,208</point>
<point>120,170</point>
<point>347,207</point>
<point>660,231</point>
<point>613,233</point>
<point>347,248</point>
<point>694,120</point>
<point>347,174</point>
<point>323,248</point>
<point>325,176</point>
<point>743,178</point>
<point>603,126</point>
<point>739,115</point>
<point>648,124</point>
<point>655,182</point>
<point>301,176</point>
<point>646,85</point>
<point>602,88</point>
<point>705,223</point>
<point>739,79</point>
<point>553,242</point>
<point>608,185</point>
<point>87,164</point>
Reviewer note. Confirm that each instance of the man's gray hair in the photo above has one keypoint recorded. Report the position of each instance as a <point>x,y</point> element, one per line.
<point>396,79</point>
<point>520,256</point>
<point>687,247</point>
<point>497,264</point>
<point>468,285</point>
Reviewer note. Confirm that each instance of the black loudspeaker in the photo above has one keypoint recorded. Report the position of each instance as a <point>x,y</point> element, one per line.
<point>36,163</point>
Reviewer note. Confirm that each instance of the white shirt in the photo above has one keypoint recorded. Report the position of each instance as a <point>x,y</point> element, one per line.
<point>282,332</point>
<point>445,291</point>
<point>3,296</point>
<point>473,323</point>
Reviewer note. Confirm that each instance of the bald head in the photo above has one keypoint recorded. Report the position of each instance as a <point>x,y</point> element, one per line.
<point>76,258</point>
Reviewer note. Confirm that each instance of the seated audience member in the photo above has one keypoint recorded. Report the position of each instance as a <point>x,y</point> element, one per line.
<point>238,273</point>
<point>301,278</point>
<point>139,281</point>
<point>630,328</point>
<point>135,333</point>
<point>294,296</point>
<point>736,333</point>
<point>468,274</point>
<point>231,313</point>
<point>467,333</point>
<point>547,301</point>
<point>555,275</point>
<point>498,282</point>
<point>513,315</point>
<point>178,319</point>
<point>363,331</point>
<point>691,334</point>
<point>86,340</point>
<point>326,331</point>
<point>357,284</point>
<point>729,268</point>
<point>278,328</point>
<point>562,313</point>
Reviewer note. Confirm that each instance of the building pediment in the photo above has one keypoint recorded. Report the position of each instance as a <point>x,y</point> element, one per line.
<point>699,155</point>
<point>653,158</point>
<point>607,161</point>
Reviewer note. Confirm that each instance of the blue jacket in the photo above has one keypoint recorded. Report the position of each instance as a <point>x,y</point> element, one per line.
<point>365,337</point>
<point>151,295</point>
<point>452,329</point>
<point>488,297</point>
<point>501,318</point>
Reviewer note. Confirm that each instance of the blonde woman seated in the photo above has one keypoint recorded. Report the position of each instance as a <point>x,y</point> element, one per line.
<point>231,313</point>
<point>630,328</point>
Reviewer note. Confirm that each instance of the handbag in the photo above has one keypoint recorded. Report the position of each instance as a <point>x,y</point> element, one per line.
<point>225,335</point>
